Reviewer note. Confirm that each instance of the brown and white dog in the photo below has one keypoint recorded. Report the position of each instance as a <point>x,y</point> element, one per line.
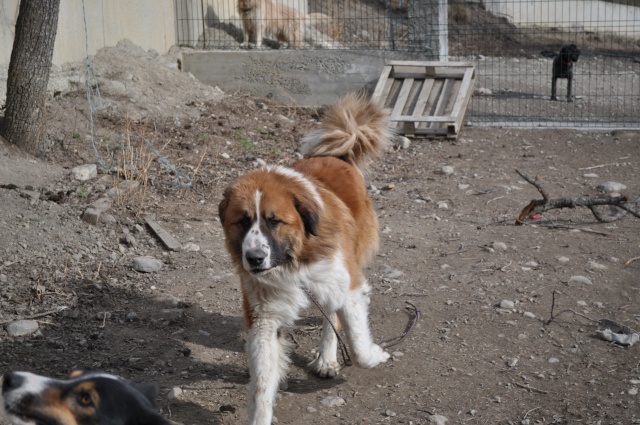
<point>269,18</point>
<point>311,226</point>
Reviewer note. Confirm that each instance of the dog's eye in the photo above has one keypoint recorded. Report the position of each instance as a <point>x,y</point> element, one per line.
<point>244,222</point>
<point>274,222</point>
<point>85,399</point>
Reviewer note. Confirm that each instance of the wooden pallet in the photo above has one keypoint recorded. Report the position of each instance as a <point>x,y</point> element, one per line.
<point>426,98</point>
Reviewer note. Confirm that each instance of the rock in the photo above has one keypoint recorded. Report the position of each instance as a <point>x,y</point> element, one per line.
<point>580,279</point>
<point>633,391</point>
<point>390,413</point>
<point>499,246</point>
<point>147,264</point>
<point>529,315</point>
<point>311,409</point>
<point>85,172</point>
<point>611,187</point>
<point>590,176</point>
<point>563,259</point>
<point>447,170</point>
<point>437,419</point>
<point>553,360</point>
<point>22,328</point>
<point>333,401</point>
<point>225,155</point>
<point>175,393</point>
<point>190,247</point>
<point>402,142</point>
<point>597,266</point>
<point>507,304</point>
<point>463,186</point>
<point>391,273</point>
<point>512,362</point>
<point>91,216</point>
<point>443,205</point>
<point>531,264</point>
<point>483,91</point>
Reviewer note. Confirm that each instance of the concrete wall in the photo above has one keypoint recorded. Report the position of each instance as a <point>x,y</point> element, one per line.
<point>587,15</point>
<point>150,24</point>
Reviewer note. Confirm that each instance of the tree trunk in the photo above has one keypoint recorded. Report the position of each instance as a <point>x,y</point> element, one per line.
<point>28,75</point>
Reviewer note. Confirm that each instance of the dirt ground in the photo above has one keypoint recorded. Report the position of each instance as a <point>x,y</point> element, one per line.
<point>483,351</point>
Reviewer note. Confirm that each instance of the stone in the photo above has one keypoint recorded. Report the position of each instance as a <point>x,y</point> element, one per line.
<point>507,304</point>
<point>580,279</point>
<point>22,328</point>
<point>333,401</point>
<point>563,259</point>
<point>190,247</point>
<point>391,273</point>
<point>499,246</point>
<point>437,419</point>
<point>85,172</point>
<point>402,142</point>
<point>91,216</point>
<point>529,315</point>
<point>611,187</point>
<point>175,393</point>
<point>590,176</point>
<point>553,360</point>
<point>147,264</point>
<point>447,170</point>
<point>597,266</point>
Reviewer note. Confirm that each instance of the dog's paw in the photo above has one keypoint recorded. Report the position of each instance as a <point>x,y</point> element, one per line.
<point>376,356</point>
<point>323,368</point>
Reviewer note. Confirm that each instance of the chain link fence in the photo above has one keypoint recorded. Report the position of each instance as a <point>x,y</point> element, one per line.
<point>513,43</point>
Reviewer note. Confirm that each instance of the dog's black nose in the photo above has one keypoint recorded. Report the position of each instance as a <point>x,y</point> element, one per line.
<point>11,380</point>
<point>255,257</point>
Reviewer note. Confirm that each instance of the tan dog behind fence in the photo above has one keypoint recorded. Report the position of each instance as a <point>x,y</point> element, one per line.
<point>268,18</point>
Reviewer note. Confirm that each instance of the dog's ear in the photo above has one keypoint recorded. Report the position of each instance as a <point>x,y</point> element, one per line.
<point>224,204</point>
<point>309,213</point>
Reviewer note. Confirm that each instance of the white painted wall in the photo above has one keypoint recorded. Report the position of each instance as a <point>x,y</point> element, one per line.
<point>150,24</point>
<point>589,15</point>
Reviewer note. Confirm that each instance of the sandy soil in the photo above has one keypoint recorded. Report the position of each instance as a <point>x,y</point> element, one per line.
<point>449,246</point>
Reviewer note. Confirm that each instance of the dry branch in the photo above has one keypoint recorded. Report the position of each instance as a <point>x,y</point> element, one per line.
<point>538,206</point>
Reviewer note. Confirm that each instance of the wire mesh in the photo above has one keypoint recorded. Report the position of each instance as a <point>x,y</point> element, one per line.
<point>512,42</point>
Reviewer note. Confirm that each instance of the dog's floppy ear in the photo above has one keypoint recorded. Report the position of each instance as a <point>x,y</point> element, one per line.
<point>224,204</point>
<point>309,212</point>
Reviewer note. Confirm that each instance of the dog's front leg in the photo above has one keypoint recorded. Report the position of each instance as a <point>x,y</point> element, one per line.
<point>267,360</point>
<point>355,318</point>
<point>326,363</point>
<point>569,81</point>
<point>553,88</point>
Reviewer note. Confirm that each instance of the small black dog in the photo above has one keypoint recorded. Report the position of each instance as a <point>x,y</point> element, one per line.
<point>563,68</point>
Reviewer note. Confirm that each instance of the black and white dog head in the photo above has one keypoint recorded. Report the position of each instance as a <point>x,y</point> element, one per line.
<point>86,398</point>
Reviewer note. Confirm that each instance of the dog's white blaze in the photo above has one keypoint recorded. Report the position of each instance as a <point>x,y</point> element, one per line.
<point>300,178</point>
<point>256,239</point>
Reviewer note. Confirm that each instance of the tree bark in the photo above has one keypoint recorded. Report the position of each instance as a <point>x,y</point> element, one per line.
<point>28,74</point>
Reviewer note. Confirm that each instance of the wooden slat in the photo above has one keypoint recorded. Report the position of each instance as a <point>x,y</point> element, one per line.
<point>429,63</point>
<point>435,74</point>
<point>414,118</point>
<point>423,98</point>
<point>169,241</point>
<point>402,96</point>
<point>382,83</point>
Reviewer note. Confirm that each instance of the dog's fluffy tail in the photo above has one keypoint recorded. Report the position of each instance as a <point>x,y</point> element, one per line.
<point>354,129</point>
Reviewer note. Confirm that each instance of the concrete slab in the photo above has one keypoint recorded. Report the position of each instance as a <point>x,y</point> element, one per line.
<point>306,78</point>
